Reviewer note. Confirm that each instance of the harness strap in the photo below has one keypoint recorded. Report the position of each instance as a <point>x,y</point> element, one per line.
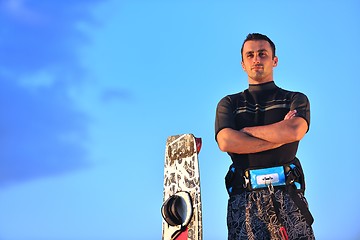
<point>300,204</point>
<point>292,176</point>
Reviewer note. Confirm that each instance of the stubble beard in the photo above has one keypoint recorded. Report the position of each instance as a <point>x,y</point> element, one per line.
<point>260,77</point>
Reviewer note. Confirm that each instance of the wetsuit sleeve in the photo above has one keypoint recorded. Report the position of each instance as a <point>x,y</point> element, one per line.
<point>302,105</point>
<point>224,115</point>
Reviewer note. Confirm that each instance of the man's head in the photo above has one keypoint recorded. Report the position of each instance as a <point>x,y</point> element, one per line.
<point>257,37</point>
<point>258,58</point>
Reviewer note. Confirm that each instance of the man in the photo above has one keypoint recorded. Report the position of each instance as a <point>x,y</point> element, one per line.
<point>260,128</point>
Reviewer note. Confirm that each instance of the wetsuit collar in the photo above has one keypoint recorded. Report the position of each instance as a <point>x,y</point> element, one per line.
<point>262,87</point>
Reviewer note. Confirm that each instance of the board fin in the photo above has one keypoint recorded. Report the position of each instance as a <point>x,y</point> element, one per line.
<point>198,144</point>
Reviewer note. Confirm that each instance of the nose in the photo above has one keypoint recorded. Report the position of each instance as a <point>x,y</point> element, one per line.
<point>256,58</point>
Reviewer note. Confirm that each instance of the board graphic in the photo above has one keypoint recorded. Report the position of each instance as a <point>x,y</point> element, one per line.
<point>181,210</point>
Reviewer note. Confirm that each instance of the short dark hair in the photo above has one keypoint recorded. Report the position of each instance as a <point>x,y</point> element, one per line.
<point>258,36</point>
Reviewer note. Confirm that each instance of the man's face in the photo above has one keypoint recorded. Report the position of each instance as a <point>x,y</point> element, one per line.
<point>258,61</point>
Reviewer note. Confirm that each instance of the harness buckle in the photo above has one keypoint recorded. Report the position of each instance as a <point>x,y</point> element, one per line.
<point>246,182</point>
<point>267,178</point>
<point>293,174</point>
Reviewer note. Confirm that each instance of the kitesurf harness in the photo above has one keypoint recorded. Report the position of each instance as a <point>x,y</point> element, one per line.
<point>177,210</point>
<point>288,177</point>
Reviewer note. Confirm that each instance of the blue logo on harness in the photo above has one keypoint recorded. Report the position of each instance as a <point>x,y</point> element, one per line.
<point>261,178</point>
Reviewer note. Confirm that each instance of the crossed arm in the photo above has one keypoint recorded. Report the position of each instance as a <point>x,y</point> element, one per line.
<point>262,138</point>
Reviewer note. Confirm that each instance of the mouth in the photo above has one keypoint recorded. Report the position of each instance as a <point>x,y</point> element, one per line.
<point>257,67</point>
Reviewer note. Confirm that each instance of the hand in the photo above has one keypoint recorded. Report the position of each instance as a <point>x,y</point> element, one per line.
<point>290,114</point>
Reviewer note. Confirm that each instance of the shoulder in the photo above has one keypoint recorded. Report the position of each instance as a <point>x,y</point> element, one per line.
<point>293,94</point>
<point>232,98</point>
<point>230,102</point>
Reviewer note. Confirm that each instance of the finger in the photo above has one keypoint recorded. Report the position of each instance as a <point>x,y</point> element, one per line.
<point>290,114</point>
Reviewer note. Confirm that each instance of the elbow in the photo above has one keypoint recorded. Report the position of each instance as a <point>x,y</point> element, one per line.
<point>223,143</point>
<point>298,129</point>
<point>223,146</point>
<point>225,140</point>
<point>297,135</point>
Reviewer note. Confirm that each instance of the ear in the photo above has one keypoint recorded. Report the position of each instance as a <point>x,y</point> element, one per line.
<point>275,61</point>
<point>243,65</point>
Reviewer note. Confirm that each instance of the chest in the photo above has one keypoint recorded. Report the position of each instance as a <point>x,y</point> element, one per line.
<point>250,111</point>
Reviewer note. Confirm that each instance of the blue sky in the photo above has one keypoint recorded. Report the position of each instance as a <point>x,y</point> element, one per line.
<point>91,89</point>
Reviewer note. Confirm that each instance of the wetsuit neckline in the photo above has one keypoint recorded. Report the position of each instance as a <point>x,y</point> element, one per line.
<point>262,87</point>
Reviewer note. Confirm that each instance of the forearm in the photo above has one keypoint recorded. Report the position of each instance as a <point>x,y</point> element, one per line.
<point>230,140</point>
<point>286,131</point>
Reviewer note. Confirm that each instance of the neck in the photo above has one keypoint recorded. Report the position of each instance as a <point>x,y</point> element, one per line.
<point>259,81</point>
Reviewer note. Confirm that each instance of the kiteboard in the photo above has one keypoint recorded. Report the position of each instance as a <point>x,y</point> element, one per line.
<point>181,209</point>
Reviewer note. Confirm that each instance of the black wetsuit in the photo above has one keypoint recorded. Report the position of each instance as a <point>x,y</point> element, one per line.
<point>247,212</point>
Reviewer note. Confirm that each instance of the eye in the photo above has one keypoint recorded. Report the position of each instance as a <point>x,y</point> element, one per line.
<point>262,54</point>
<point>249,55</point>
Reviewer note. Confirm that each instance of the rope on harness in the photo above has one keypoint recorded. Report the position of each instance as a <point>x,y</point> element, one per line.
<point>276,207</point>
